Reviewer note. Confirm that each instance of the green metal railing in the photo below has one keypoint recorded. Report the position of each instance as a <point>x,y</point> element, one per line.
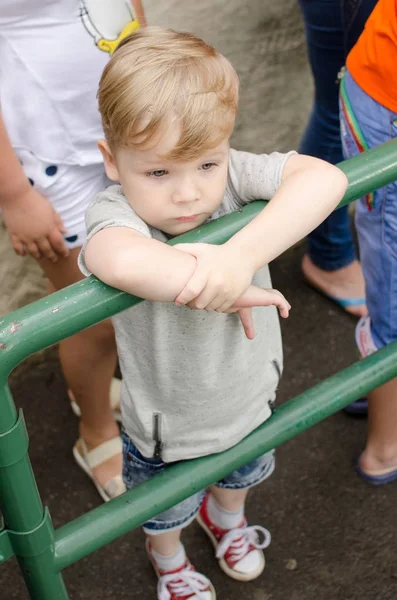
<point>28,533</point>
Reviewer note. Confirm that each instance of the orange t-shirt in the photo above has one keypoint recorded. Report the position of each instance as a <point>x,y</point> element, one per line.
<point>372,62</point>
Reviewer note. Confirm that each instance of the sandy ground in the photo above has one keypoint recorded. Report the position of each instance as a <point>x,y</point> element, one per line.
<point>264,40</point>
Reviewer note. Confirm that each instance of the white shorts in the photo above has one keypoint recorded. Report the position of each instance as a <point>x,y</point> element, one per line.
<point>70,189</point>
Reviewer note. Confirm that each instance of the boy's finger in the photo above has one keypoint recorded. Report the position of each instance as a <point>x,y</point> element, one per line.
<point>211,300</point>
<point>284,309</point>
<point>283,305</point>
<point>224,307</point>
<point>193,288</point>
<point>254,296</point>
<point>245,315</point>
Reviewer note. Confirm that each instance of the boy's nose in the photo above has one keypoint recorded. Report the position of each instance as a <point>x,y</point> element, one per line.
<point>187,192</point>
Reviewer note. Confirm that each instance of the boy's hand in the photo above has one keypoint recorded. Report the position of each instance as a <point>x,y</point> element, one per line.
<point>35,227</point>
<point>221,276</point>
<point>256,296</point>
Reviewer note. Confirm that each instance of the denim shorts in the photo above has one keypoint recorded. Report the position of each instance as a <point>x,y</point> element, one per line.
<point>364,124</point>
<point>138,468</point>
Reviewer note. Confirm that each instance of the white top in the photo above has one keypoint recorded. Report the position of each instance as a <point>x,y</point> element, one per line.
<point>193,384</point>
<point>52,54</point>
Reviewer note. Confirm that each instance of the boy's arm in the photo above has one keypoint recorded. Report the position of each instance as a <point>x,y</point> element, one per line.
<point>142,266</point>
<point>310,189</point>
<point>127,260</point>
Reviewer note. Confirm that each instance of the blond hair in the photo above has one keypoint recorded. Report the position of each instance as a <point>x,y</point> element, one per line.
<point>157,75</point>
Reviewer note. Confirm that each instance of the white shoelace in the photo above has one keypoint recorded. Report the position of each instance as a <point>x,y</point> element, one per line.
<point>240,539</point>
<point>183,583</point>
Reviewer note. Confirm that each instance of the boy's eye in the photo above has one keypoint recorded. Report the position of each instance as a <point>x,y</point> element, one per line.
<point>157,173</point>
<point>207,166</point>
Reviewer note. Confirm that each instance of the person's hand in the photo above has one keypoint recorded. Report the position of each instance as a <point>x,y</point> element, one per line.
<point>222,275</point>
<point>256,296</point>
<point>35,227</point>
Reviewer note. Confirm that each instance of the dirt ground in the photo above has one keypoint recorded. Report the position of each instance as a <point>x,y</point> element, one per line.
<point>334,537</point>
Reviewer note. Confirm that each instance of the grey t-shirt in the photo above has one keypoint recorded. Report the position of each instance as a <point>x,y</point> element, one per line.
<point>192,383</point>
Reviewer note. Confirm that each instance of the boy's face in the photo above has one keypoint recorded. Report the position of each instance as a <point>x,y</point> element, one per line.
<point>174,197</point>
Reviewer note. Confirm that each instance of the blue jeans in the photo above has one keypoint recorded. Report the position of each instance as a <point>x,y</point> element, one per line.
<point>332,27</point>
<point>138,468</point>
<point>376,214</point>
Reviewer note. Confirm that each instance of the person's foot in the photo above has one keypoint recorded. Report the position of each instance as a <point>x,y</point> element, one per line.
<point>377,470</point>
<point>345,287</point>
<point>182,583</point>
<point>101,458</point>
<point>238,550</point>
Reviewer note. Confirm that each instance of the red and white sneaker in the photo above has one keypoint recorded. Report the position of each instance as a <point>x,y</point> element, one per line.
<point>238,550</point>
<point>183,583</point>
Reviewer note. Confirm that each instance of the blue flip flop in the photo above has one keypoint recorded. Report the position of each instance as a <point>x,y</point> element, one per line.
<point>341,302</point>
<point>358,408</point>
<point>376,479</point>
<point>344,302</point>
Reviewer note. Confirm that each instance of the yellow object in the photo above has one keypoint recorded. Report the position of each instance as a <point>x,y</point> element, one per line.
<point>108,22</point>
<point>111,45</point>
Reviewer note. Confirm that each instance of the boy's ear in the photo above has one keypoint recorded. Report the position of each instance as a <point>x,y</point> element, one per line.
<point>109,162</point>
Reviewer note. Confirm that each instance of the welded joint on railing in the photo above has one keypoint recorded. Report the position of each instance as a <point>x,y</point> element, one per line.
<point>34,542</point>
<point>6,550</point>
<point>14,443</point>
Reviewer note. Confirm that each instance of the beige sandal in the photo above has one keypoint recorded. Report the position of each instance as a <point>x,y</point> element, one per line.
<point>114,400</point>
<point>88,460</point>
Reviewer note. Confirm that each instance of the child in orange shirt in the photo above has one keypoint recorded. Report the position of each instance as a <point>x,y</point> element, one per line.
<point>368,112</point>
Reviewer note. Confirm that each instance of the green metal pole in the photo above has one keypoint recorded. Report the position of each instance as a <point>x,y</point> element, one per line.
<point>83,304</point>
<point>370,170</point>
<point>28,525</point>
<point>42,580</point>
<point>109,521</point>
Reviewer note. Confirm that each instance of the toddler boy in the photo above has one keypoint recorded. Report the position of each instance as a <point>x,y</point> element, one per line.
<point>193,383</point>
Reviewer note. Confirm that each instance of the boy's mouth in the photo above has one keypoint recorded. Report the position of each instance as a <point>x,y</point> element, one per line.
<point>190,219</point>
